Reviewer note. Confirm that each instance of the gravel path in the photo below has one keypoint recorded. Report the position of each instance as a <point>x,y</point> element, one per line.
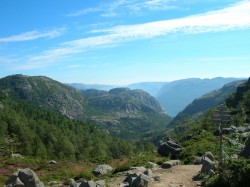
<point>177,176</point>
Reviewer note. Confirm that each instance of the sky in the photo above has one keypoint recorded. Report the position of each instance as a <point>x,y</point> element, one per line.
<point>125,41</point>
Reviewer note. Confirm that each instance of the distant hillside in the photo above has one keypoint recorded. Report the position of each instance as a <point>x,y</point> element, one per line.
<point>204,103</point>
<point>125,112</point>
<point>121,111</point>
<point>32,130</point>
<point>175,96</point>
<point>82,86</point>
<point>151,87</point>
<point>45,92</point>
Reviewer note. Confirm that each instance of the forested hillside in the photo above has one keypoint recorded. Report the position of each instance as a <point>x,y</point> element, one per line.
<point>33,131</point>
<point>125,113</point>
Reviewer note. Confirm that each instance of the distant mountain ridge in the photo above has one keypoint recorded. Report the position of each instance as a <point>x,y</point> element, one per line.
<point>121,111</point>
<point>212,99</point>
<point>175,96</point>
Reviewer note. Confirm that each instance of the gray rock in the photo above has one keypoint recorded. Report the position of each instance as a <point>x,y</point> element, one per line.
<point>211,173</point>
<point>197,161</point>
<point>136,171</point>
<point>207,165</point>
<point>15,155</point>
<point>209,155</point>
<point>24,177</point>
<point>133,173</point>
<point>141,181</point>
<point>241,129</point>
<point>157,178</point>
<point>72,183</point>
<point>153,165</point>
<point>88,184</point>
<point>52,162</point>
<point>124,184</point>
<point>148,172</point>
<point>102,169</point>
<point>170,148</point>
<point>170,163</point>
<point>100,183</point>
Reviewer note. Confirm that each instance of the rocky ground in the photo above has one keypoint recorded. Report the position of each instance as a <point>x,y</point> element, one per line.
<point>176,176</point>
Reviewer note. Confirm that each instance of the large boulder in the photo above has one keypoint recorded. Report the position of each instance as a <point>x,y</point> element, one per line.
<point>102,169</point>
<point>24,177</point>
<point>141,181</point>
<point>207,165</point>
<point>170,147</point>
<point>138,177</point>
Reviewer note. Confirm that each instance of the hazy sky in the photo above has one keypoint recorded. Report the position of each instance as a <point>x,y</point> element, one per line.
<point>125,41</point>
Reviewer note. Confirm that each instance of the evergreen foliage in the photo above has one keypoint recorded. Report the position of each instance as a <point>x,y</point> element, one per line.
<point>42,133</point>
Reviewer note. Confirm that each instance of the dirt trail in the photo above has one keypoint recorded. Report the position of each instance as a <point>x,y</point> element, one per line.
<point>177,176</point>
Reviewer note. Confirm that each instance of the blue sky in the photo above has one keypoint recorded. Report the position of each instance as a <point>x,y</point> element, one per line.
<point>125,41</point>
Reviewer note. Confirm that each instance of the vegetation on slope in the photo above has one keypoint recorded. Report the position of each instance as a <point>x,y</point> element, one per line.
<point>204,103</point>
<point>46,134</point>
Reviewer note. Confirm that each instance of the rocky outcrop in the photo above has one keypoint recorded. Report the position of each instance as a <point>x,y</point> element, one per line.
<point>208,155</point>
<point>102,169</point>
<point>207,165</point>
<point>170,148</point>
<point>233,129</point>
<point>141,181</point>
<point>24,177</point>
<point>138,177</point>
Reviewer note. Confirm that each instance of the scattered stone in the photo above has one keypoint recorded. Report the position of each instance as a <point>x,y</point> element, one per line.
<point>170,163</point>
<point>197,161</point>
<point>207,165</point>
<point>157,178</point>
<point>124,184</point>
<point>209,155</point>
<point>211,173</point>
<point>100,183</point>
<point>24,177</point>
<point>71,183</point>
<point>102,169</point>
<point>148,172</point>
<point>153,165</point>
<point>170,147</point>
<point>241,129</point>
<point>15,155</point>
<point>52,162</point>
<point>141,181</point>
